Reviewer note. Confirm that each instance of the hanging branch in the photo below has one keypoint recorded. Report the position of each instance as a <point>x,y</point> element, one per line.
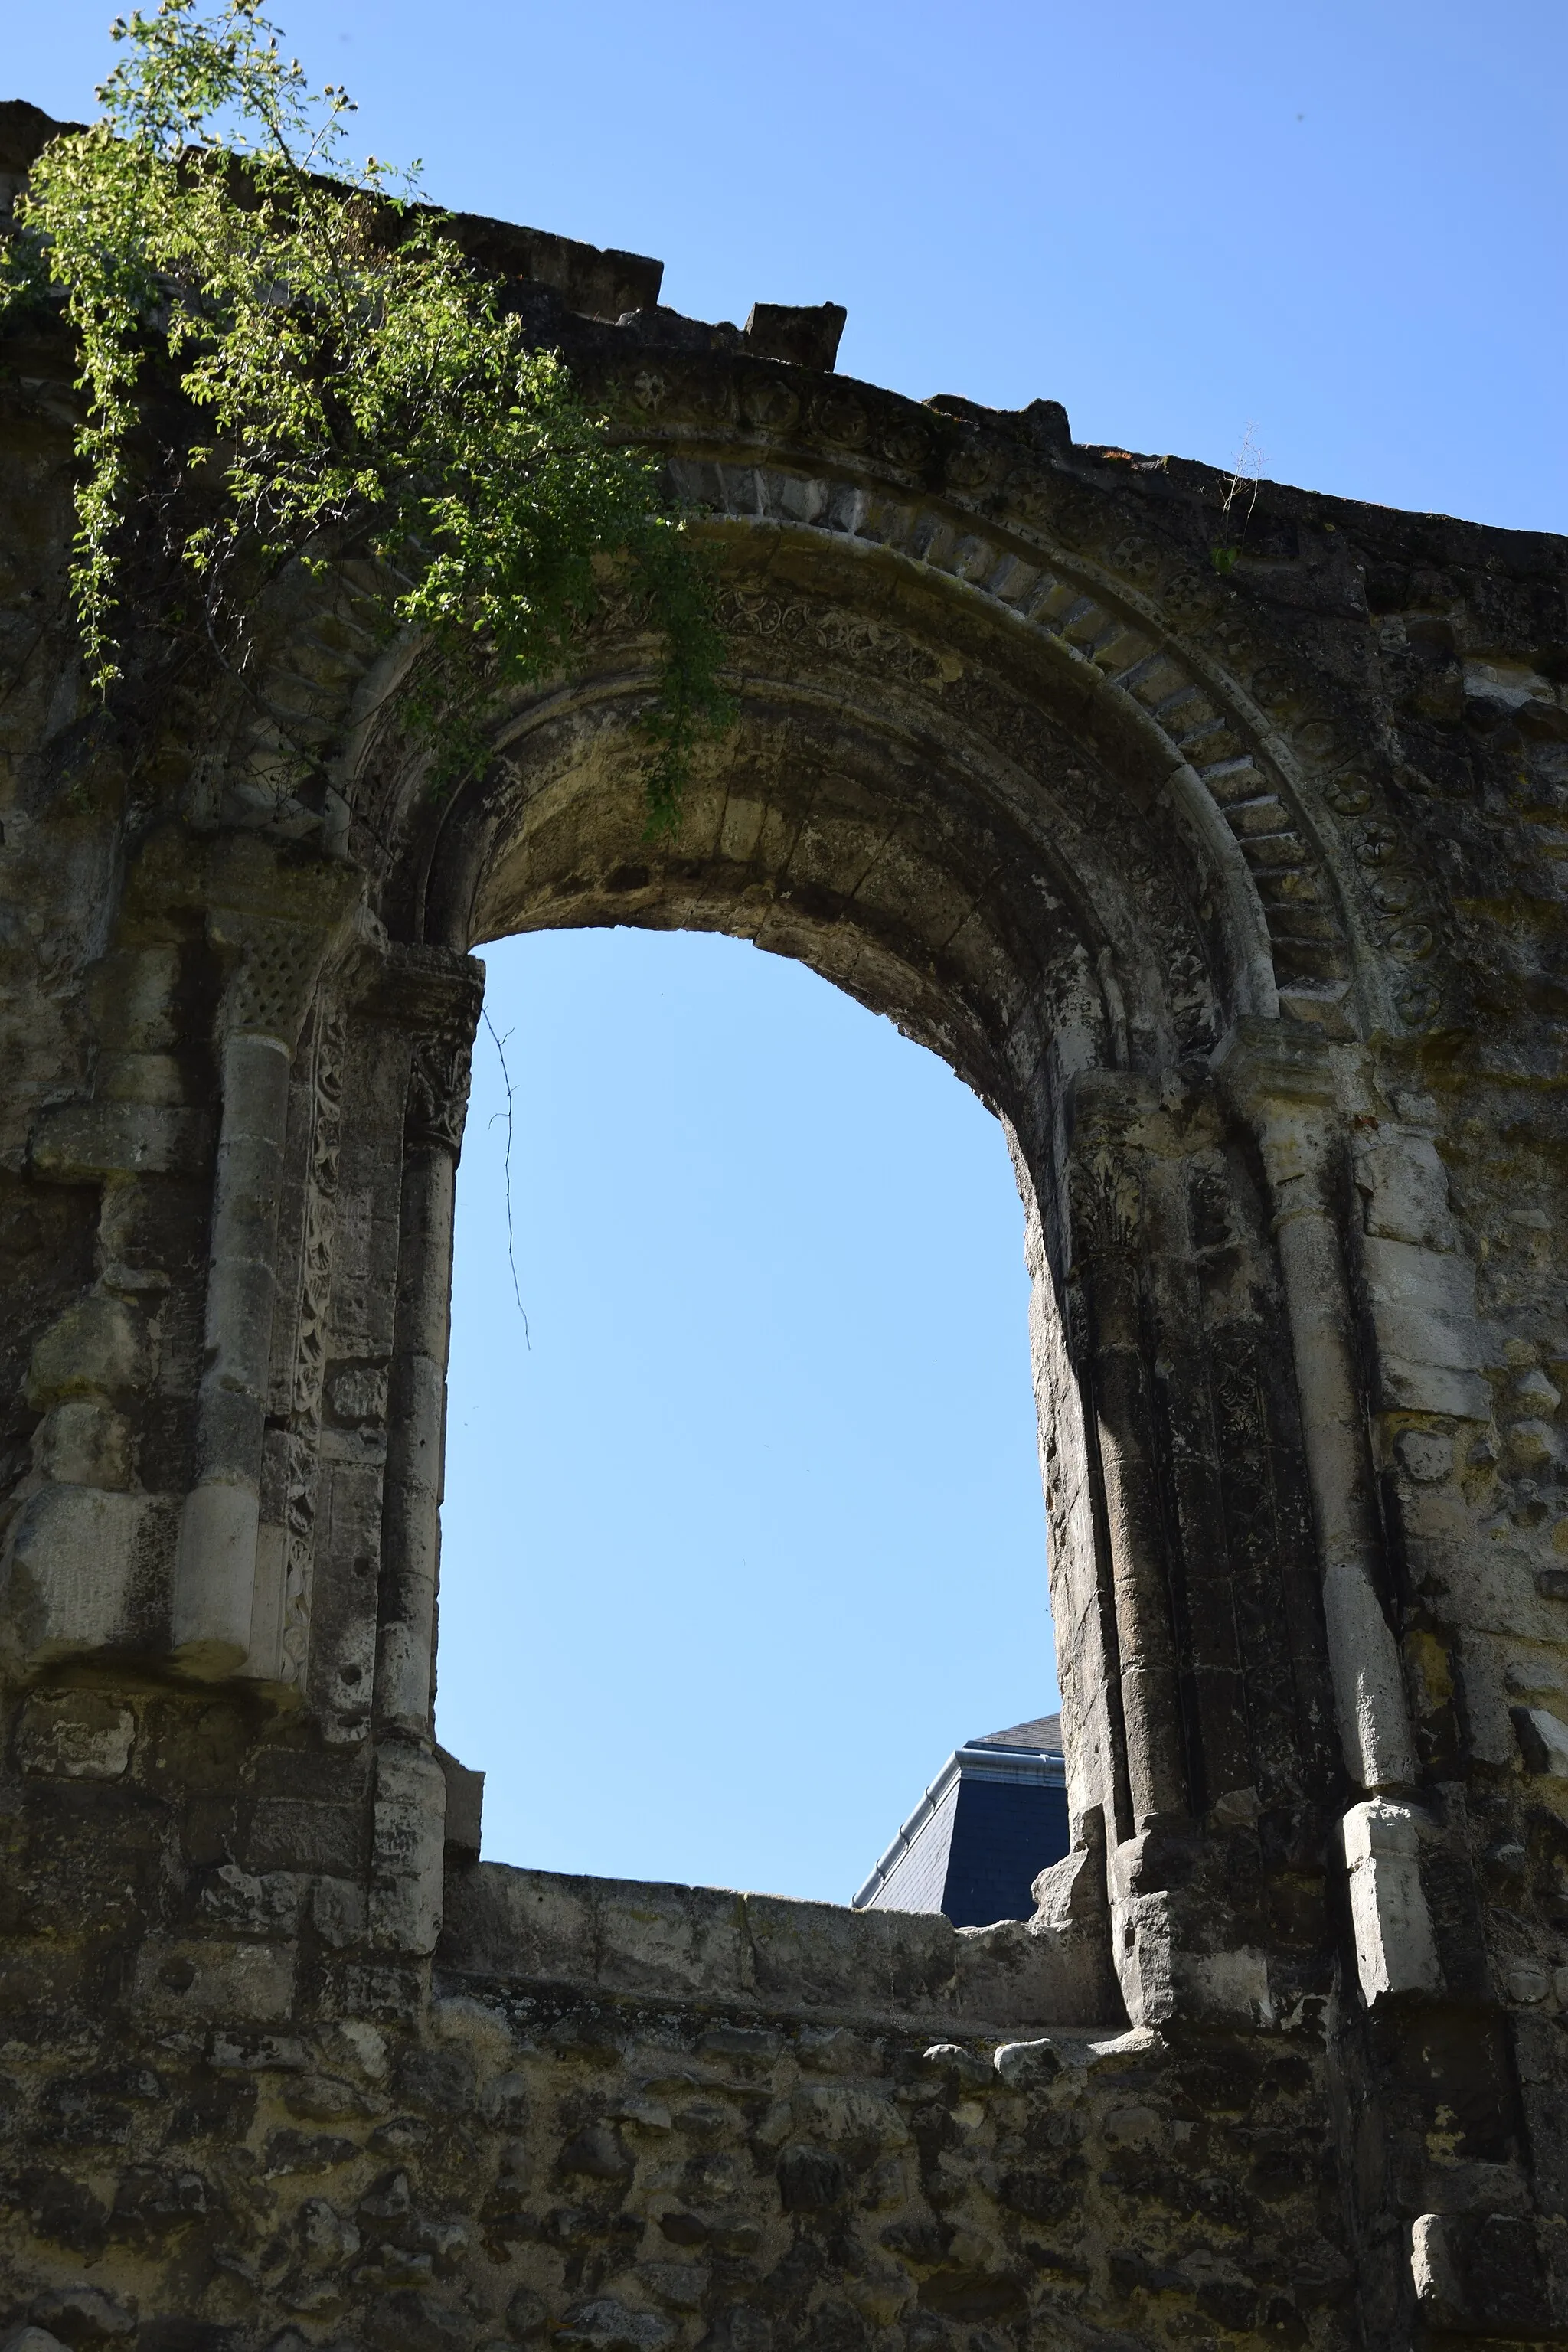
<point>354,388</point>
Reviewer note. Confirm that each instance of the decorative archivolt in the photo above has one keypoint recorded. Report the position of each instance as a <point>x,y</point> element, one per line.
<point>1102,868</point>
<point>1277,794</point>
<point>1015,487</point>
<point>1249,749</point>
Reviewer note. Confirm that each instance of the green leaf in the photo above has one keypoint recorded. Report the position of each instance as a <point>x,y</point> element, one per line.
<point>354,390</point>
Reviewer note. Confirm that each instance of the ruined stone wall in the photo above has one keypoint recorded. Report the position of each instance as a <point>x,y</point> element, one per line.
<point>632,2115</point>
<point>1236,889</point>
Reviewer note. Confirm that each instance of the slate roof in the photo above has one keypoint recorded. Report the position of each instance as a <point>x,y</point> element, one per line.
<point>995,1816</point>
<point>1046,1731</point>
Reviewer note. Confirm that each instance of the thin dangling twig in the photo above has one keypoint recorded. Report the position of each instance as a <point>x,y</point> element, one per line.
<point>499,1044</point>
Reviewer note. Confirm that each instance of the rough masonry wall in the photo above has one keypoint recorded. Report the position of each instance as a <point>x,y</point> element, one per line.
<point>654,2152</point>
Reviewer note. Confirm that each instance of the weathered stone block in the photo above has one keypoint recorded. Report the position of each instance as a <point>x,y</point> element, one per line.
<point>290,1833</point>
<point>406,1850</point>
<point>81,1141</point>
<point>817,1955</point>
<point>84,1570</point>
<point>465,1806</point>
<point>1419,1387</point>
<point>98,1348</point>
<point>1406,1188</point>
<point>1543,1741</point>
<point>86,1443</point>
<point>193,1979</point>
<point>1394,1945</point>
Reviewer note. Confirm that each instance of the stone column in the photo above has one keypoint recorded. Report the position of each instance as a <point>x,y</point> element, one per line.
<point>1106,1192</point>
<point>437,996</point>
<point>417,1405</point>
<point>278,936</point>
<point>1283,1081</point>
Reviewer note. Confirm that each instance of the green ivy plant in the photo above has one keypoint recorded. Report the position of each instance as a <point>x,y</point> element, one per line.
<point>354,388</point>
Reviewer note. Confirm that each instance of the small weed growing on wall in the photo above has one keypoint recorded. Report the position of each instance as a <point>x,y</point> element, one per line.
<point>354,389</point>
<point>1245,474</point>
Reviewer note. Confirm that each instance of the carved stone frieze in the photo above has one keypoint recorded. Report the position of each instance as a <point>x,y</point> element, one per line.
<point>316,1268</point>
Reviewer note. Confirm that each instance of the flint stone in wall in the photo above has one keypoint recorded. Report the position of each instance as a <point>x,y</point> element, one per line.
<point>416,2322</point>
<point>1543,1741</point>
<point>683,2285</point>
<point>1027,2065</point>
<point>607,2326</point>
<point>1485,2274</point>
<point>834,2113</point>
<point>75,1735</point>
<point>821,2048</point>
<point>85,2315</point>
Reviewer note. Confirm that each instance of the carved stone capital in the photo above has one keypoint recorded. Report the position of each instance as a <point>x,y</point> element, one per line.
<point>424,988</point>
<point>434,995</point>
<point>1286,1081</point>
<point>276,920</point>
<point>437,1103</point>
<point>1260,1063</point>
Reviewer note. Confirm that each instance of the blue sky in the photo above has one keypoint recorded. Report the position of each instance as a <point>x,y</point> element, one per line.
<point>752,1534</point>
<point>1339,220</point>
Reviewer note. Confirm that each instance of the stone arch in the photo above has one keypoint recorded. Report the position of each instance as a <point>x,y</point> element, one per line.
<point>902,866</point>
<point>885,531</point>
<point>931,807</point>
<point>983,776</point>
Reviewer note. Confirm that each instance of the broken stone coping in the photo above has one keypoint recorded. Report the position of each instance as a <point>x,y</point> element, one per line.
<point>631,1940</point>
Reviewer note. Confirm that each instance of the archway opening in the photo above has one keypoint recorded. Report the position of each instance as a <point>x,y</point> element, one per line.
<point>744,1530</point>
<point>1016,887</point>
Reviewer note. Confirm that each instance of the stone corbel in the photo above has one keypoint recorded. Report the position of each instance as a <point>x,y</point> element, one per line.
<point>1284,1083</point>
<point>277,922</point>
